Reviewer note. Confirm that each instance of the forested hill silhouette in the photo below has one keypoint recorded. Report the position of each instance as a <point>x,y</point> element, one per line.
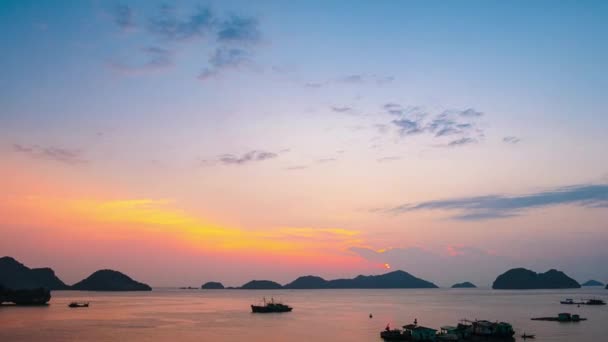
<point>465,285</point>
<point>593,283</point>
<point>261,285</point>
<point>392,280</point>
<point>15,275</point>
<point>109,280</point>
<point>524,279</point>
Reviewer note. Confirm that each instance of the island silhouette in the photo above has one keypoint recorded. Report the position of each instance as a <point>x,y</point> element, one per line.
<point>524,279</point>
<point>465,285</point>
<point>16,276</point>
<point>592,283</point>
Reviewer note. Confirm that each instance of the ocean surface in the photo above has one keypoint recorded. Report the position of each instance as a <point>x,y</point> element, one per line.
<point>319,315</point>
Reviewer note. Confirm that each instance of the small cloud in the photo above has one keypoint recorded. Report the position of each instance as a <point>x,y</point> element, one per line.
<point>246,158</point>
<point>57,154</point>
<point>362,78</point>
<point>511,140</point>
<point>408,127</point>
<point>351,79</point>
<point>461,142</point>
<point>225,58</point>
<point>341,109</point>
<point>239,29</point>
<point>470,113</point>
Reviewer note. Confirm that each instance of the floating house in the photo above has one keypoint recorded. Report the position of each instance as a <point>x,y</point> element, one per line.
<point>420,333</point>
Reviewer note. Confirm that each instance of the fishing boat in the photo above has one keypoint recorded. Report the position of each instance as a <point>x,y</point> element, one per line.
<point>78,305</point>
<point>595,302</point>
<point>561,317</point>
<point>525,336</point>
<point>269,307</point>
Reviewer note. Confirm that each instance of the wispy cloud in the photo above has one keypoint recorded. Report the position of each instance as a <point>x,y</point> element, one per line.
<point>341,109</point>
<point>460,126</point>
<point>499,206</point>
<point>511,140</point>
<point>388,159</point>
<point>230,40</point>
<point>123,17</point>
<point>250,156</point>
<point>57,154</point>
<point>169,26</point>
<point>352,79</point>
<point>239,29</point>
<point>461,142</point>
<point>242,159</point>
<point>326,160</point>
<point>153,58</point>
<point>225,58</point>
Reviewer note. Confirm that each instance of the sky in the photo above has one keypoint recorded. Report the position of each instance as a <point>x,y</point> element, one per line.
<point>187,141</point>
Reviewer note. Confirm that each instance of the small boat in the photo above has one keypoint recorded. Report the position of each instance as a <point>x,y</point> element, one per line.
<point>525,336</point>
<point>568,301</point>
<point>78,305</point>
<point>271,306</point>
<point>595,302</point>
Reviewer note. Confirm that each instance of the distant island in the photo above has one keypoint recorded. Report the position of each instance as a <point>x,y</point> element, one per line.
<point>524,279</point>
<point>392,280</point>
<point>110,280</point>
<point>592,283</point>
<point>212,285</point>
<point>465,285</point>
<point>261,285</point>
<point>14,275</point>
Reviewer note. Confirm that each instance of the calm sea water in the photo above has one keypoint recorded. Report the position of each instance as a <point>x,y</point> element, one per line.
<point>319,315</point>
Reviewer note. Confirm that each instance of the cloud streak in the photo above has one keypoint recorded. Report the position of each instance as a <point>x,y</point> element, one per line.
<point>57,154</point>
<point>251,156</point>
<point>354,79</point>
<point>501,206</point>
<point>511,140</point>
